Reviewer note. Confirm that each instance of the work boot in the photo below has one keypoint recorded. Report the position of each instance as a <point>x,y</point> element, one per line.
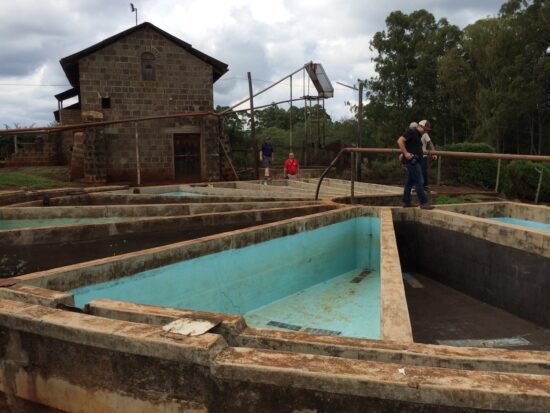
<point>426,206</point>
<point>407,205</point>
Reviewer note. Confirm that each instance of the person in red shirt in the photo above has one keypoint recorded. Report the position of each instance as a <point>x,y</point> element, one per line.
<point>292,167</point>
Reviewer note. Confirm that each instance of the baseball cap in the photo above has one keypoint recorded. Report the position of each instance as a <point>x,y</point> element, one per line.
<point>413,125</point>
<point>425,124</point>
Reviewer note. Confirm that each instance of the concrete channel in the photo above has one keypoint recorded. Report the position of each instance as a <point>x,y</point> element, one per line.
<point>112,354</point>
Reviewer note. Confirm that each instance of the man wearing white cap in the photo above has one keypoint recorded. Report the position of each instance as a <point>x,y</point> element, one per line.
<point>410,144</point>
<point>427,144</point>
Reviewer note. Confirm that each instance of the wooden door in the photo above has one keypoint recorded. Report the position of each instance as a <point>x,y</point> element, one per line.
<point>187,157</point>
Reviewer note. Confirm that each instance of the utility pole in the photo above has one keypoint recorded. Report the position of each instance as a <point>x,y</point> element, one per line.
<point>253,128</point>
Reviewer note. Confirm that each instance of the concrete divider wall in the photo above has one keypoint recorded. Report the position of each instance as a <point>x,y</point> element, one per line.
<point>84,363</point>
<point>77,275</point>
<point>526,239</point>
<point>139,199</point>
<point>9,198</point>
<point>540,213</point>
<point>101,211</point>
<point>70,233</point>
<point>396,324</point>
<point>235,331</point>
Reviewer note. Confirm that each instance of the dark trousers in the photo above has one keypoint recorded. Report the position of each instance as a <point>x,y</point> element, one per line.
<point>425,170</point>
<point>414,179</point>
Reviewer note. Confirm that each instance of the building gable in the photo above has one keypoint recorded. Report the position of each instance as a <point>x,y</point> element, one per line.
<point>71,67</point>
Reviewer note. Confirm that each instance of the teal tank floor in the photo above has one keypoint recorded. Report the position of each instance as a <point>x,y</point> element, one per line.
<point>347,305</point>
<point>524,223</point>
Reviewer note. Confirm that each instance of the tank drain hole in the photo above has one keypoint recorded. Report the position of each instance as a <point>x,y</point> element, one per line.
<point>362,276</point>
<point>294,327</point>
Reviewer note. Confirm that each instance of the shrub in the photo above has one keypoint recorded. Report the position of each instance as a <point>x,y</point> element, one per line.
<point>522,179</point>
<point>477,172</point>
<point>385,171</point>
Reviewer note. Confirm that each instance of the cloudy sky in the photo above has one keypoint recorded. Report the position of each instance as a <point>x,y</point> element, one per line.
<point>270,39</point>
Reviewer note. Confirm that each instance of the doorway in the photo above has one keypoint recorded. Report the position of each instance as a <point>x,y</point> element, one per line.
<point>187,156</point>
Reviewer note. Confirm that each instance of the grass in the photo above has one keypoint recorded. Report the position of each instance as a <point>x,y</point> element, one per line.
<point>36,177</point>
<point>445,200</point>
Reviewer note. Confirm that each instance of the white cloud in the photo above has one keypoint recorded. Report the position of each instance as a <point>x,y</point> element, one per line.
<point>269,39</point>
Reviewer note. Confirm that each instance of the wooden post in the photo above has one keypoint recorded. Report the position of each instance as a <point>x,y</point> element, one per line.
<point>15,143</point>
<point>253,128</point>
<point>439,170</point>
<point>138,172</point>
<point>324,128</point>
<point>498,175</point>
<point>290,116</point>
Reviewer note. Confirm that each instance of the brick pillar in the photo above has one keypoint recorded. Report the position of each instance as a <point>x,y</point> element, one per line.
<point>77,156</point>
<point>211,149</point>
<point>95,162</point>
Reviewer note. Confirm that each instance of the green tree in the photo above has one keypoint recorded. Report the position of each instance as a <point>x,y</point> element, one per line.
<point>406,87</point>
<point>496,81</point>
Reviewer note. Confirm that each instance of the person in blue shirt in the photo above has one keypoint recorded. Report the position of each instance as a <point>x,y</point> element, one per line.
<point>410,144</point>
<point>266,156</point>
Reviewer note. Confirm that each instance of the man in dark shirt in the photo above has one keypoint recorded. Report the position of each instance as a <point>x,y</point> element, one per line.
<point>266,156</point>
<point>410,144</point>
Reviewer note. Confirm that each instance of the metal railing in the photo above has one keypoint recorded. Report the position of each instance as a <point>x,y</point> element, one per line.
<point>440,154</point>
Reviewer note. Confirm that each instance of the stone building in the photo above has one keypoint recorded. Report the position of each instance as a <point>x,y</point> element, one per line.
<point>142,71</point>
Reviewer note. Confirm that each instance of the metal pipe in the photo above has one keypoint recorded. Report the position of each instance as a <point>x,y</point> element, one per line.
<point>468,155</point>
<point>353,172</point>
<point>266,106</point>
<point>261,91</point>
<point>253,127</point>
<point>138,171</point>
<point>498,175</point>
<point>359,126</point>
<point>326,171</point>
<point>541,172</point>
<point>104,123</point>
<point>474,155</point>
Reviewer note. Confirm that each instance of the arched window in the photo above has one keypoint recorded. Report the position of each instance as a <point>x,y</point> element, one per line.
<point>148,66</point>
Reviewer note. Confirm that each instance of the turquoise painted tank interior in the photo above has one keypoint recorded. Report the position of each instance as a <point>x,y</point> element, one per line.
<point>325,280</point>
<point>524,223</point>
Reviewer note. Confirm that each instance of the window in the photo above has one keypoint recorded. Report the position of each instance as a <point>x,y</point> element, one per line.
<point>105,103</point>
<point>147,66</point>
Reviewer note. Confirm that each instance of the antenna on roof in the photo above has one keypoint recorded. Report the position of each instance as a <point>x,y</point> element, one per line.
<point>134,9</point>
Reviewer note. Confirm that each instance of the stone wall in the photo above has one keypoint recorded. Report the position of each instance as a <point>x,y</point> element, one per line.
<point>46,150</point>
<point>70,116</point>
<point>183,83</point>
